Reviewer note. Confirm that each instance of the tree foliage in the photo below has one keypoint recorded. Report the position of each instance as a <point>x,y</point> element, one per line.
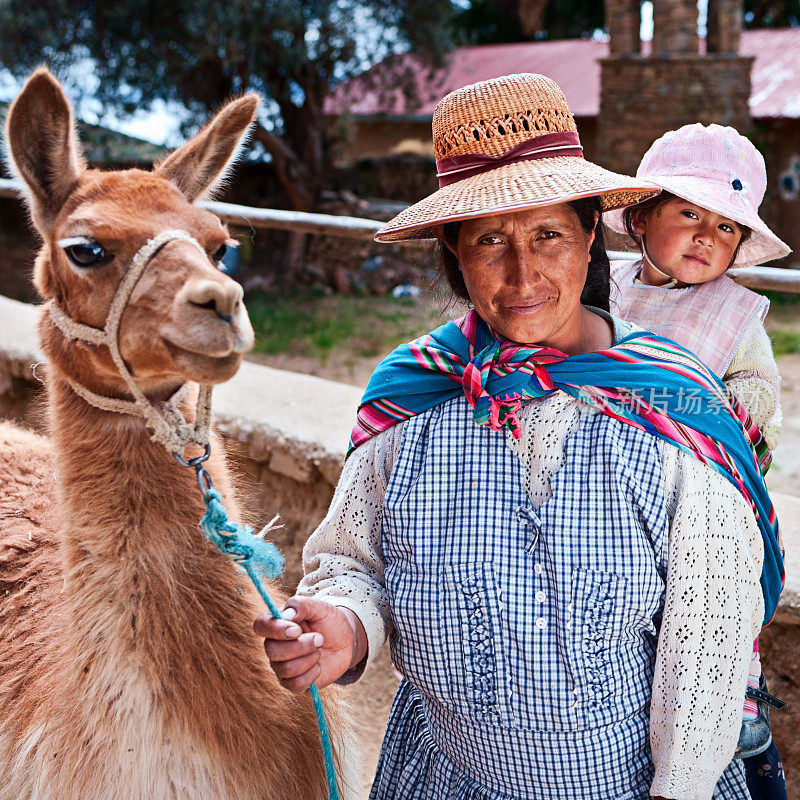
<point>199,52</point>
<point>496,21</point>
<point>568,19</point>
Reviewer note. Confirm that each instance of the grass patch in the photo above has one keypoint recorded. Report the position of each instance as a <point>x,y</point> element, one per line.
<point>311,323</point>
<point>782,299</point>
<point>784,341</point>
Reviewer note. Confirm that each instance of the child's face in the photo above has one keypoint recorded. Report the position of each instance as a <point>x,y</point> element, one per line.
<point>687,242</point>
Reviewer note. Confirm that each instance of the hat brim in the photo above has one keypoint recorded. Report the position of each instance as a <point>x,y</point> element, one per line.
<point>720,198</point>
<point>515,187</point>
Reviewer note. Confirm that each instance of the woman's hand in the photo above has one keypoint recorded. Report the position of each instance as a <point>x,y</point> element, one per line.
<point>316,642</point>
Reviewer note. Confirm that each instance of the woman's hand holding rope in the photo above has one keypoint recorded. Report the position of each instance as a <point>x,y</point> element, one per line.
<point>315,642</point>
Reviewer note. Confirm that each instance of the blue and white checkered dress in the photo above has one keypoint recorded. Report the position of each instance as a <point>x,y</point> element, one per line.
<point>527,637</point>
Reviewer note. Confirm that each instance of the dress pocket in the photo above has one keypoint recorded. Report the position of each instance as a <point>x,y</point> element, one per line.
<point>597,623</point>
<point>477,672</point>
<point>444,640</point>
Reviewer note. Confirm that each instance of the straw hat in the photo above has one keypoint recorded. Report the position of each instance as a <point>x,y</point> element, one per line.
<point>716,168</point>
<point>503,145</point>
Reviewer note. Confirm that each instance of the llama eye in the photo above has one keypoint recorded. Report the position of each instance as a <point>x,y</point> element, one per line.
<point>220,254</point>
<point>87,254</point>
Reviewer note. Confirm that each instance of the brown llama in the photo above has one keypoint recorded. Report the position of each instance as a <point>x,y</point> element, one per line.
<point>128,665</point>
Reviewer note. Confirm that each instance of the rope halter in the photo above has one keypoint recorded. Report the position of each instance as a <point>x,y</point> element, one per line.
<point>165,420</point>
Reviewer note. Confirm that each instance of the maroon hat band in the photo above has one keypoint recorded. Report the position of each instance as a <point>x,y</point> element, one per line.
<point>455,168</point>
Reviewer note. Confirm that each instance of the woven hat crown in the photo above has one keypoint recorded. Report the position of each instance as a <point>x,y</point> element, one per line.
<point>493,116</point>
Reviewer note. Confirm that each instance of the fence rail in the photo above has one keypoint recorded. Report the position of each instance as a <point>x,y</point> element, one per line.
<point>268,218</point>
<point>771,278</point>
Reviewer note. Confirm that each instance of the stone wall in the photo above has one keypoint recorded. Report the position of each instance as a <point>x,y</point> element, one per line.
<point>675,27</point>
<point>287,432</point>
<point>623,22</point>
<point>724,25</point>
<point>643,97</point>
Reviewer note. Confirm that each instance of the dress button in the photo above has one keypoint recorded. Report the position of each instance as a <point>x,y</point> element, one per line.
<point>540,596</point>
<point>541,622</point>
<point>537,568</point>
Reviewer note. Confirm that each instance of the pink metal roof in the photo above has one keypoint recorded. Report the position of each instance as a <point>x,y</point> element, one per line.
<point>573,65</point>
<point>776,71</point>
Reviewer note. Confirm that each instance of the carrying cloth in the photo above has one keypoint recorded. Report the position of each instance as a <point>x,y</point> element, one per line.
<point>643,380</point>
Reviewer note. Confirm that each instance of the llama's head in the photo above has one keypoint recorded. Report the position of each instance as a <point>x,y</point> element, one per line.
<point>185,319</point>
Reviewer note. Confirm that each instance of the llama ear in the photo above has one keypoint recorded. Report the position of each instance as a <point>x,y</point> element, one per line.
<point>203,162</point>
<point>42,146</point>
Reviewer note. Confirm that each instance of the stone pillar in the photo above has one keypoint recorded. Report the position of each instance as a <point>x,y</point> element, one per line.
<point>675,27</point>
<point>642,98</point>
<point>724,26</point>
<point>623,20</point>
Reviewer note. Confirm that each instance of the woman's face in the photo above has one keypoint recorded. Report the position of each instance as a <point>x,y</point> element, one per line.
<point>687,242</point>
<point>525,272</point>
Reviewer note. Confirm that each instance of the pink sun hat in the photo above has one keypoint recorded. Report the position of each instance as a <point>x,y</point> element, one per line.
<point>718,169</point>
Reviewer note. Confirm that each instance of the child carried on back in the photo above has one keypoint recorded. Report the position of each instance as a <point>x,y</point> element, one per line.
<point>704,221</point>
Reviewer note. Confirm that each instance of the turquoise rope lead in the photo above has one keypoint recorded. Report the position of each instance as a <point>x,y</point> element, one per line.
<point>258,558</point>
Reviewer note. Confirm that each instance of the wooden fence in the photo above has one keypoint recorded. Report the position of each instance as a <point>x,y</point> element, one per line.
<point>774,278</point>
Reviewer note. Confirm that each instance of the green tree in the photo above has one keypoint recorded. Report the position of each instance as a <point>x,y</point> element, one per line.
<point>496,21</point>
<point>199,52</point>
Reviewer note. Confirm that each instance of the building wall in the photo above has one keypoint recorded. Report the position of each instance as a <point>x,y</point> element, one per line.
<point>780,142</point>
<point>376,138</point>
<point>379,138</point>
<point>643,97</point>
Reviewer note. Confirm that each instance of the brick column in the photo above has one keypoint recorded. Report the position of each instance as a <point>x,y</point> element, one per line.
<point>675,27</point>
<point>724,26</point>
<point>623,20</point>
<point>641,98</point>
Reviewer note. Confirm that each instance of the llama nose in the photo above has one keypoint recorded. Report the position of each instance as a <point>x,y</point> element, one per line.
<point>222,298</point>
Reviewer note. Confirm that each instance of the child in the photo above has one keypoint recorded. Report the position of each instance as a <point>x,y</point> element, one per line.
<point>705,221</point>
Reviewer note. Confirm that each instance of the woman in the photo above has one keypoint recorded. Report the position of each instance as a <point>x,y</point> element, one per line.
<point>581,567</point>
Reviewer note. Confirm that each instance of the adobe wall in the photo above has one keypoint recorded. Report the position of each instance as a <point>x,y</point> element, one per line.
<point>375,138</point>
